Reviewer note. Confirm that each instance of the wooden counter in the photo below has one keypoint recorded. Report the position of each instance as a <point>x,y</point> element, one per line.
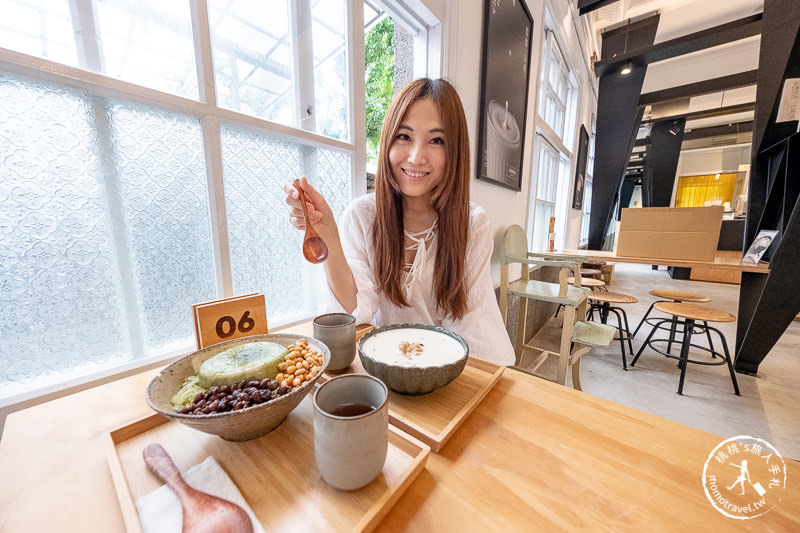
<point>721,262</point>
<point>533,456</point>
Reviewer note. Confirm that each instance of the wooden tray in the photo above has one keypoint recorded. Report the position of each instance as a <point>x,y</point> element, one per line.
<point>434,417</point>
<point>276,473</point>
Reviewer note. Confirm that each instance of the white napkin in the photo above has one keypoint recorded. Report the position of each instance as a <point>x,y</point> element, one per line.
<point>160,511</point>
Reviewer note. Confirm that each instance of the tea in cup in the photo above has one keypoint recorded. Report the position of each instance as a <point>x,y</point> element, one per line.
<point>351,430</point>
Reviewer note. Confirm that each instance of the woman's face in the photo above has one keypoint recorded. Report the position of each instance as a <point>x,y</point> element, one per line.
<point>418,154</point>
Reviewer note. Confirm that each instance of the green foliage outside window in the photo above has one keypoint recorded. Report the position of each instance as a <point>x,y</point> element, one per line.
<point>379,53</point>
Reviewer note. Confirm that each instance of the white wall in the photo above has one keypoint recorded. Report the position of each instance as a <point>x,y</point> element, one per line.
<point>462,33</point>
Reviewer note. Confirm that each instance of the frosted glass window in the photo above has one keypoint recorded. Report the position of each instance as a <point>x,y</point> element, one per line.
<point>160,171</point>
<point>61,303</point>
<point>106,235</point>
<point>104,232</point>
<point>264,246</point>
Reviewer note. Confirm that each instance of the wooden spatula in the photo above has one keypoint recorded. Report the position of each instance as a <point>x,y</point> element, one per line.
<point>202,513</point>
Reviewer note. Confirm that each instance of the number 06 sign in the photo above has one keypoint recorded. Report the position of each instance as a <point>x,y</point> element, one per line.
<point>229,318</point>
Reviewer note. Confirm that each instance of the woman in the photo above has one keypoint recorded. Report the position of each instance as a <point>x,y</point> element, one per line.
<point>417,251</point>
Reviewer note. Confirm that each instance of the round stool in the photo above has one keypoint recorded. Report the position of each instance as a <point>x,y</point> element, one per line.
<point>691,314</point>
<point>592,283</point>
<point>675,296</point>
<point>598,265</point>
<point>601,301</point>
<point>589,273</point>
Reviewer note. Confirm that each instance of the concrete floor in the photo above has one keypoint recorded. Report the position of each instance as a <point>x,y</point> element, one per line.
<point>769,405</point>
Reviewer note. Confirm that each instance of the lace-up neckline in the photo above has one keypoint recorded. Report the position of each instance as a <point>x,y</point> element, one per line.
<point>419,244</point>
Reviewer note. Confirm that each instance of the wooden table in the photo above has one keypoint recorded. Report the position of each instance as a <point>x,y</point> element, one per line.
<point>534,455</point>
<point>722,262</point>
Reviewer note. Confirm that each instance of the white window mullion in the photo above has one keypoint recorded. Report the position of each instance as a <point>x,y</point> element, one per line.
<point>212,147</point>
<point>358,112</point>
<point>216,205</point>
<point>202,52</point>
<point>303,51</point>
<point>87,42</point>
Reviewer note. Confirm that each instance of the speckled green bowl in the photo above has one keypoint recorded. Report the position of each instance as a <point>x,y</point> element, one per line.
<point>413,380</point>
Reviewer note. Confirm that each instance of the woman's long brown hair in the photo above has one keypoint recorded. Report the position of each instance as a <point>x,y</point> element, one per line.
<point>450,200</point>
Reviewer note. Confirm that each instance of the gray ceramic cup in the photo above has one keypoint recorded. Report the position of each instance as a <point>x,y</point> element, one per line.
<point>338,332</point>
<point>351,430</point>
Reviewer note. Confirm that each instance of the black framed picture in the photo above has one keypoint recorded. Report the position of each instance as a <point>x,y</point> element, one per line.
<point>505,77</point>
<point>580,169</point>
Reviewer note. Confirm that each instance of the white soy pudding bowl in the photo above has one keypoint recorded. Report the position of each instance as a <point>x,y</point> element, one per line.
<point>442,358</point>
<point>351,430</point>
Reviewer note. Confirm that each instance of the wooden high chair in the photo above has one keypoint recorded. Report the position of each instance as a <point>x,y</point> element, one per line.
<point>572,337</point>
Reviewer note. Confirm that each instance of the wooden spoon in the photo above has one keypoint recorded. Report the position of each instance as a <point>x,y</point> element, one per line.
<point>201,512</point>
<point>314,248</point>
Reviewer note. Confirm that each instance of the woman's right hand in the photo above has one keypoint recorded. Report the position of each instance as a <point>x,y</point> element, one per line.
<point>319,212</point>
<point>320,216</point>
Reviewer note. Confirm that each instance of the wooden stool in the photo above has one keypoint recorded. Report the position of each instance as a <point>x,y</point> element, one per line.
<point>675,296</point>
<point>601,301</point>
<point>691,314</point>
<point>598,265</point>
<point>590,273</point>
<point>592,283</point>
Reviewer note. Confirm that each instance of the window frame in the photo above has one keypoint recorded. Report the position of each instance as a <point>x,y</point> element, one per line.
<point>551,94</point>
<point>211,118</point>
<point>204,109</point>
<point>563,142</point>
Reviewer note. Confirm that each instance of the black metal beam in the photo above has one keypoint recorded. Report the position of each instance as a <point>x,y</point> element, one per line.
<point>734,81</point>
<point>618,119</point>
<point>774,66</point>
<point>701,40</point>
<point>587,6</point>
<point>770,308</point>
<point>769,302</point>
<point>662,162</point>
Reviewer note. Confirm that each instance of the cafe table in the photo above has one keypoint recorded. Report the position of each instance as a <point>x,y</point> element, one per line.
<point>721,262</point>
<point>532,456</point>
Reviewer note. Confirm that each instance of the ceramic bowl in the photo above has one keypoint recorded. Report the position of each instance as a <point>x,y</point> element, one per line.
<point>245,424</point>
<point>412,379</point>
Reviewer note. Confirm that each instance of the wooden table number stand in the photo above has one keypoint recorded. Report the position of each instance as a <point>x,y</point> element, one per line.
<point>229,318</point>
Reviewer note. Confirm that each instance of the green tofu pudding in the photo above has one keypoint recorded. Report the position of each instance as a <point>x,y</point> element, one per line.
<point>251,361</point>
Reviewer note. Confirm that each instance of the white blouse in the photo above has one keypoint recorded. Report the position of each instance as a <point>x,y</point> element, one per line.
<point>482,326</point>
